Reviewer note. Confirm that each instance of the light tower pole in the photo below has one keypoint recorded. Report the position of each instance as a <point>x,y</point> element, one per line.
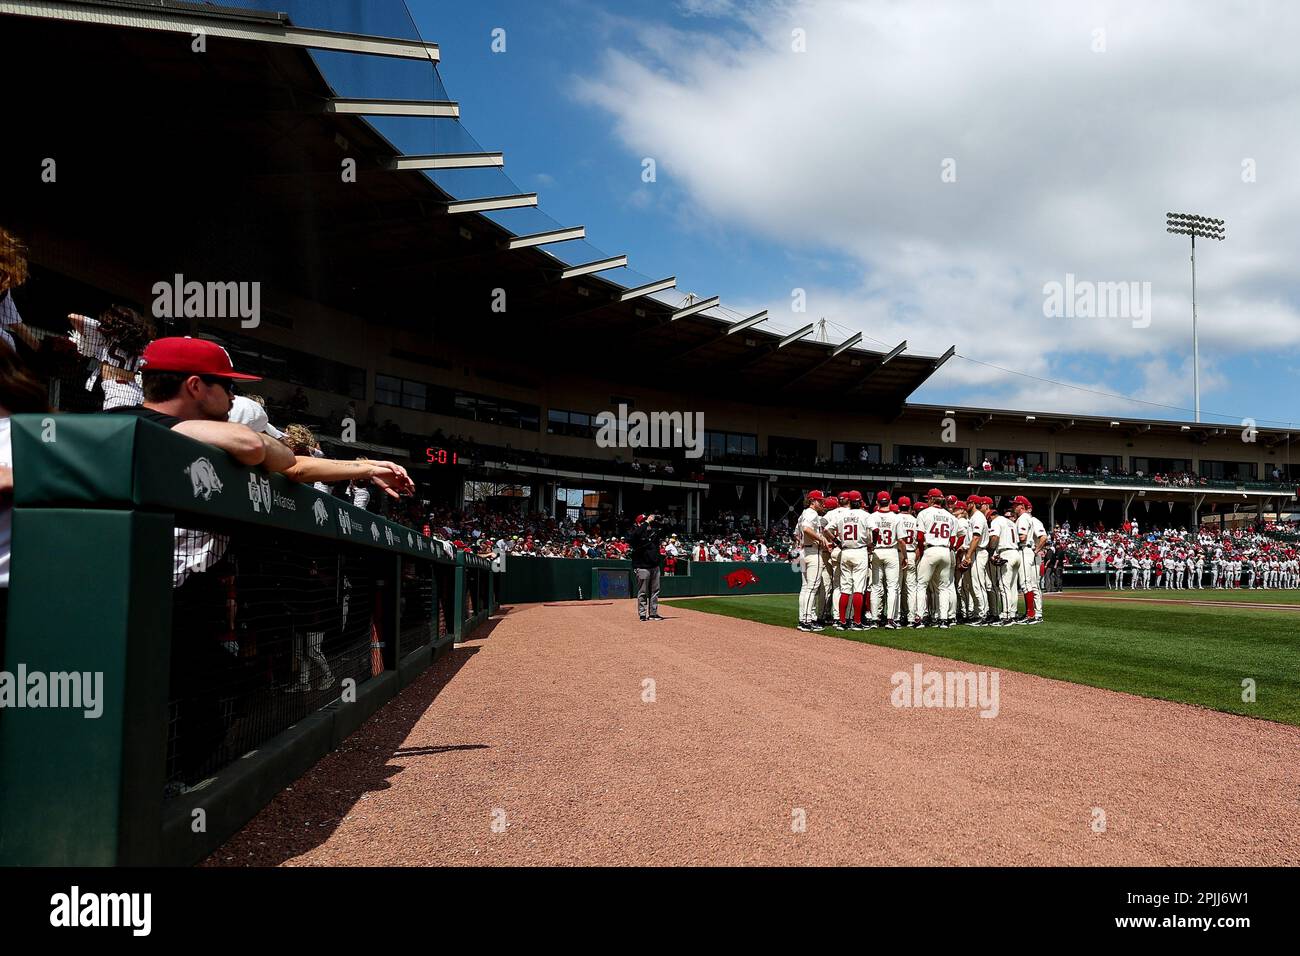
<point>1187,224</point>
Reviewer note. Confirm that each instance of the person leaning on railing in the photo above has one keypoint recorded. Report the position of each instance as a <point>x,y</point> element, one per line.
<point>188,387</point>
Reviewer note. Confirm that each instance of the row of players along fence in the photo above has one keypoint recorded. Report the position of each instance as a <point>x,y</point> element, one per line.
<point>241,624</point>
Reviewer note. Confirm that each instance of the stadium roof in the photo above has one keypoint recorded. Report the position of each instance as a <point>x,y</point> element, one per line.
<point>237,151</point>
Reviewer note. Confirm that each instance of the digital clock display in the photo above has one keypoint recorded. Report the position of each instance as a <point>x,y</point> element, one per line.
<point>441,456</point>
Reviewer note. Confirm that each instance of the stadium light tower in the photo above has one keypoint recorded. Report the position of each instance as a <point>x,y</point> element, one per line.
<point>1185,224</point>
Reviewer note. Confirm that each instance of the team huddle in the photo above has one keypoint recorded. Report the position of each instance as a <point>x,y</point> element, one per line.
<point>944,563</point>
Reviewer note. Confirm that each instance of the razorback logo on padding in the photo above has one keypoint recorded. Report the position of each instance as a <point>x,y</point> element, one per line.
<point>738,579</point>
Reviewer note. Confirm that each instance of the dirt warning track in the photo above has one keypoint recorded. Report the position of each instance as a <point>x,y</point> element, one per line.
<point>577,735</point>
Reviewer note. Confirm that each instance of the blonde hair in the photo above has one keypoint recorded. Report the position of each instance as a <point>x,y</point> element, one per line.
<point>13,261</point>
<point>299,437</point>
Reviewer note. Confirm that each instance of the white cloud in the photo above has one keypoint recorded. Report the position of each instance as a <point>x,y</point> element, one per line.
<point>1066,159</point>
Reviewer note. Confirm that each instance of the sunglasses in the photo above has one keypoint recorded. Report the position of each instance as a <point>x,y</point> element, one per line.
<point>225,383</point>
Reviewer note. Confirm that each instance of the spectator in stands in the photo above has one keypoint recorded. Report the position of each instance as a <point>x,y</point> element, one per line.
<point>114,343</point>
<point>13,273</point>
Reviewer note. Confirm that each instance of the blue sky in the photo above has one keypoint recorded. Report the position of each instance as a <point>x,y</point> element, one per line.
<point>1071,128</point>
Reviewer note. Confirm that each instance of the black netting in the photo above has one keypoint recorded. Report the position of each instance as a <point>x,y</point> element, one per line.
<point>267,627</point>
<point>419,617</point>
<point>445,578</point>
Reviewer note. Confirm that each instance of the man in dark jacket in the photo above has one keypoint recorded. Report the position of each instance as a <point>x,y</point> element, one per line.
<point>643,546</point>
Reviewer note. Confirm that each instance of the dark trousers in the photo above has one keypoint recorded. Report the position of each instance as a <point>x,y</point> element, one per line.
<point>647,591</point>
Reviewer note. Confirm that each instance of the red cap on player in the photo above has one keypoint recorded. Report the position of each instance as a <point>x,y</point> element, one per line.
<point>855,496</point>
<point>882,496</point>
<point>904,502</point>
<point>815,494</point>
<point>1020,500</point>
<point>934,493</point>
<point>831,502</point>
<point>894,508</point>
<point>640,519</point>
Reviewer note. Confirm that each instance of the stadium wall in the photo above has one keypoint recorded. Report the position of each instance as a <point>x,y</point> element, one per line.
<point>532,580</point>
<point>83,782</point>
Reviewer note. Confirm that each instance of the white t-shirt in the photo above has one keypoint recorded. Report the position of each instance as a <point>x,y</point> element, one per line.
<point>6,510</point>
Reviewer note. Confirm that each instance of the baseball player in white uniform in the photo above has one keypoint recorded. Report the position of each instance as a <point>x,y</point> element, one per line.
<point>1005,561</point>
<point>960,571</point>
<point>975,558</point>
<point>937,528</point>
<point>1032,542</point>
<point>816,576</point>
<point>906,529</point>
<point>885,564</point>
<point>851,530</point>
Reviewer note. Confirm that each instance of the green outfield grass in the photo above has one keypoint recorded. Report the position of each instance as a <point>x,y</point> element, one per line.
<point>1195,655</point>
<point>1242,596</point>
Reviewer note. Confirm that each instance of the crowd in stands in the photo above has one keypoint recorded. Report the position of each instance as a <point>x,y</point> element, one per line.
<point>477,529</point>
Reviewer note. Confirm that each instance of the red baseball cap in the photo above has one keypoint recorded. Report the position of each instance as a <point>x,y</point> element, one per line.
<point>1020,500</point>
<point>855,496</point>
<point>934,493</point>
<point>832,502</point>
<point>193,356</point>
<point>894,508</point>
<point>815,494</point>
<point>904,502</point>
<point>640,518</point>
<point>882,496</point>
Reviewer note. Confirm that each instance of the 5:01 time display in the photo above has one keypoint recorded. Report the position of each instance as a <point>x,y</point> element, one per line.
<point>441,456</point>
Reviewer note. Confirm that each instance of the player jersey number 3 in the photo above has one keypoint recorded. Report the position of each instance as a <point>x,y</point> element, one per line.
<point>886,536</point>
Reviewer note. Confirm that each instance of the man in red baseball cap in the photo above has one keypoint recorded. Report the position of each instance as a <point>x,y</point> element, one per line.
<point>905,532</point>
<point>189,388</point>
<point>815,547</point>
